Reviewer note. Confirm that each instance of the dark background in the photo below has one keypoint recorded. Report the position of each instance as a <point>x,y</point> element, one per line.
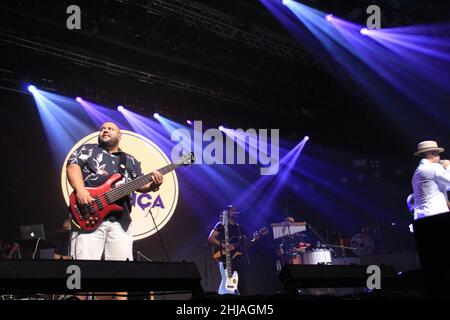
<point>247,87</point>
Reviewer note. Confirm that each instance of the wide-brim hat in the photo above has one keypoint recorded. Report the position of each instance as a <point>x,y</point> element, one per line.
<point>426,146</point>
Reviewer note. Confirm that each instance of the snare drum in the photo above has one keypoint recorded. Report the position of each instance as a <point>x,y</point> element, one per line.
<point>317,256</point>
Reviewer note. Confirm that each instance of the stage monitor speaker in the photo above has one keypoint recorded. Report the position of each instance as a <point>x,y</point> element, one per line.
<point>53,276</point>
<point>332,276</point>
<point>431,238</point>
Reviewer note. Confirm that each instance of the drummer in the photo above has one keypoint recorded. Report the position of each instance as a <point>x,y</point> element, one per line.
<point>291,248</point>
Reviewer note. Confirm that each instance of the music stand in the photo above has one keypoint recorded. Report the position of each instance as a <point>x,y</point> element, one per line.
<point>284,229</point>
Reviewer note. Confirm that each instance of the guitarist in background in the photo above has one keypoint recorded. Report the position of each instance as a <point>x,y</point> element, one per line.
<point>236,237</point>
<point>90,166</point>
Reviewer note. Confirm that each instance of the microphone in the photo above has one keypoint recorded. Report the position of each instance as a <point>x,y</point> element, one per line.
<point>441,162</point>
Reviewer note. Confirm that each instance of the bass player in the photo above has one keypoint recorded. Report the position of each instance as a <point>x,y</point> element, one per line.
<point>90,166</point>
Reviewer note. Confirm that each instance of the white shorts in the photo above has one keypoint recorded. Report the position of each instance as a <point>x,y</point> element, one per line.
<point>109,239</point>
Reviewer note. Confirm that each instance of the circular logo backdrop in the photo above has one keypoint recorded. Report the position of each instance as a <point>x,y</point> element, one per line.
<point>161,204</point>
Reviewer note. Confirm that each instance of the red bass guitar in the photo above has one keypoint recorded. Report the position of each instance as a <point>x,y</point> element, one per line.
<point>89,217</point>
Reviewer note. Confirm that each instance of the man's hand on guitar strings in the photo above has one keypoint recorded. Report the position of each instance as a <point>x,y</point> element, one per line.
<point>84,197</point>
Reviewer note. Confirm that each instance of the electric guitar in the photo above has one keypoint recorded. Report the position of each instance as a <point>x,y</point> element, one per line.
<point>230,279</point>
<point>219,252</point>
<point>89,217</point>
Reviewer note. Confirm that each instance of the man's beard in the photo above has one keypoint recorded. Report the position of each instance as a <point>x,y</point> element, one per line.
<point>112,142</point>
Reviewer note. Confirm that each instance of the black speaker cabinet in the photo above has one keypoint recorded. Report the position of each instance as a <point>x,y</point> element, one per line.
<point>332,276</point>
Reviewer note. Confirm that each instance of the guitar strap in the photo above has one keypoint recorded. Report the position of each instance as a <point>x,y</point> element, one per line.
<point>122,163</point>
<point>242,243</point>
<point>122,171</point>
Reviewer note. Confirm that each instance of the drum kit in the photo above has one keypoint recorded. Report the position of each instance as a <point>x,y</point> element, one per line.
<point>362,244</point>
<point>313,256</point>
<point>317,256</point>
<point>293,249</point>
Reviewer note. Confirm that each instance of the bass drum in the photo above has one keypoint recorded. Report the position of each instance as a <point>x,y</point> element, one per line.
<point>317,256</point>
<point>362,244</point>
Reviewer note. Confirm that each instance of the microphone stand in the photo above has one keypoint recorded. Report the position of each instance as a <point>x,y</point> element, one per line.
<point>163,247</point>
<point>36,248</point>
<point>139,254</point>
<point>323,241</point>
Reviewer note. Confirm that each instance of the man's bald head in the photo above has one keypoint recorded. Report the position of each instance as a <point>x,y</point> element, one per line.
<point>109,124</point>
<point>109,136</point>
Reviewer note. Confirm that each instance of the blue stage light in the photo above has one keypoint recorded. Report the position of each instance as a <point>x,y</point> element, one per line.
<point>32,89</point>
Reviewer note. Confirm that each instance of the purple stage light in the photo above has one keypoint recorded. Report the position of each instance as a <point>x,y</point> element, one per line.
<point>189,122</point>
<point>286,2</point>
<point>78,99</point>
<point>329,17</point>
<point>32,88</point>
<point>306,138</point>
<point>221,128</point>
<point>156,115</point>
<point>364,31</point>
<point>120,108</point>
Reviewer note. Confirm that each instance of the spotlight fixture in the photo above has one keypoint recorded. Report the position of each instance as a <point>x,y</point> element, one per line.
<point>328,17</point>
<point>32,88</point>
<point>120,108</point>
